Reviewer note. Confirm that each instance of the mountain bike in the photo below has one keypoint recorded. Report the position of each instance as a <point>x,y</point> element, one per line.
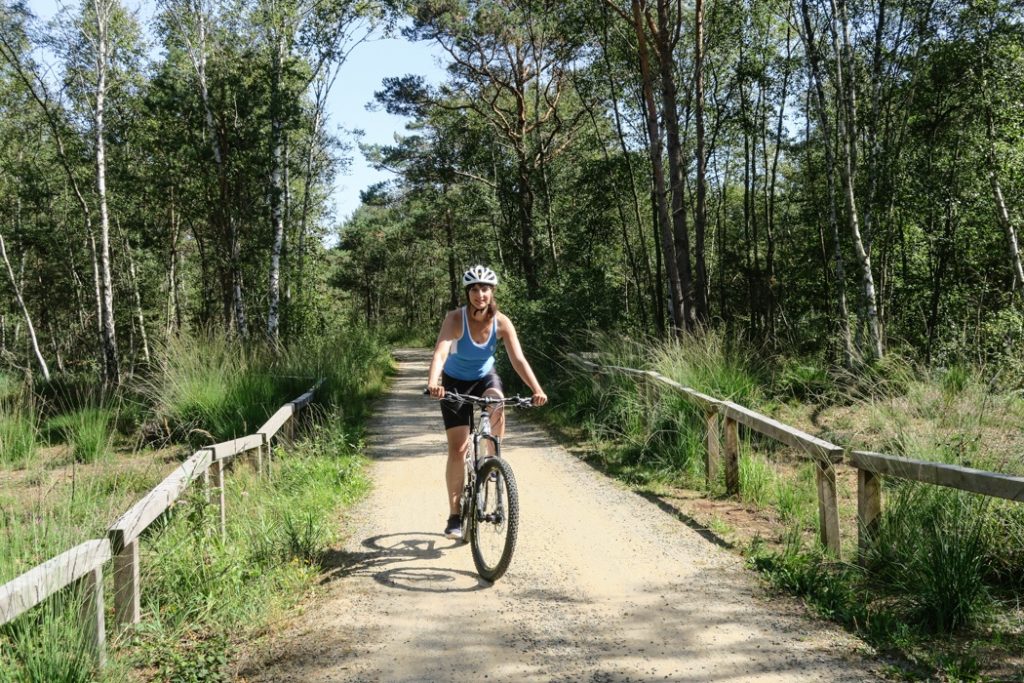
<point>490,500</point>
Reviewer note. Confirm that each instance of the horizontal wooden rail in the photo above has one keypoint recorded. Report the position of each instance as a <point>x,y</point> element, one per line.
<point>31,588</point>
<point>941,474</point>
<point>277,420</point>
<point>83,564</point>
<point>228,449</point>
<point>825,454</point>
<point>132,523</point>
<point>816,448</point>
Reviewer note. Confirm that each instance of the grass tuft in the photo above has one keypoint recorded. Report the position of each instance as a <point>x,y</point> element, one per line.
<point>17,440</point>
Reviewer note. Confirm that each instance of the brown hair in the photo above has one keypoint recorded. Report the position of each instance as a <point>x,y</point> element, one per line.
<point>492,308</point>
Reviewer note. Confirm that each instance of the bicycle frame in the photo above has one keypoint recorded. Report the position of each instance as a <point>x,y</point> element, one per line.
<point>489,506</point>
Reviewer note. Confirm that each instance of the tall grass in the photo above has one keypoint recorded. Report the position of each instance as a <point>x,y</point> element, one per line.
<point>213,388</point>
<point>18,438</point>
<point>931,550</point>
<point>646,430</point>
<point>48,645</point>
<point>87,431</point>
<point>940,557</point>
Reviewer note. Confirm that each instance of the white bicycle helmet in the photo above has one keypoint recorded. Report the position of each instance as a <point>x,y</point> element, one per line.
<point>481,274</point>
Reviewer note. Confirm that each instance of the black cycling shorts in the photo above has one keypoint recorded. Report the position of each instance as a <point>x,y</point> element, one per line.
<point>460,415</point>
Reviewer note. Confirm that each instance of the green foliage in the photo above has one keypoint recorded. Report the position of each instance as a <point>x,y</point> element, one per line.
<point>17,439</point>
<point>200,585</point>
<point>196,661</point>
<point>805,381</point>
<point>89,433</point>
<point>47,644</point>
<point>834,590</point>
<point>932,547</point>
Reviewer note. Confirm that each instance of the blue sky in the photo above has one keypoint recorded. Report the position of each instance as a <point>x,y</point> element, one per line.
<point>359,78</point>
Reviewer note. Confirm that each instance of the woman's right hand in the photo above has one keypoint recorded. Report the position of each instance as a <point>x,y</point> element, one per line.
<point>436,390</point>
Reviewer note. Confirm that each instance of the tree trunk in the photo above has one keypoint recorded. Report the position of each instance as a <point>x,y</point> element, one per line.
<point>663,45</point>
<point>700,219</point>
<point>847,168</point>
<point>660,193</point>
<point>221,213</point>
<point>623,221</point>
<point>24,311</point>
<point>652,286</point>
<point>1002,212</point>
<point>111,371</point>
<point>449,233</point>
<point>137,297</point>
<point>813,57</point>
<point>276,190</point>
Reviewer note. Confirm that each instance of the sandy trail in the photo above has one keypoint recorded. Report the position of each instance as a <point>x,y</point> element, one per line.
<point>604,585</point>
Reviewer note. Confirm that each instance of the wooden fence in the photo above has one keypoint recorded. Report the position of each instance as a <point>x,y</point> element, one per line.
<point>826,456</point>
<point>81,567</point>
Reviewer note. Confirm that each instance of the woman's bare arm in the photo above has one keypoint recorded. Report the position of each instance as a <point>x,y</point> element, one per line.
<point>518,359</point>
<point>450,331</point>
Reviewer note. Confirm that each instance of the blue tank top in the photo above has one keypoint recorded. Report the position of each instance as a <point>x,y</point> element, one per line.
<point>468,360</point>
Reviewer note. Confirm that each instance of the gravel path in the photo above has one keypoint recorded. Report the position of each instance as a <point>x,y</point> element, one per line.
<point>604,585</point>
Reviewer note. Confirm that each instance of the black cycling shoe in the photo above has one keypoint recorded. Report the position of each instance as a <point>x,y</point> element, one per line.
<point>453,529</point>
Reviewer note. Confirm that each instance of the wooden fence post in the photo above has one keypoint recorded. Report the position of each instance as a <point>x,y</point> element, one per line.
<point>219,473</point>
<point>828,506</point>
<point>257,460</point>
<point>732,456</point>
<point>713,447</point>
<point>206,485</point>
<point>91,613</point>
<point>127,599</point>
<point>869,509</point>
<point>265,447</point>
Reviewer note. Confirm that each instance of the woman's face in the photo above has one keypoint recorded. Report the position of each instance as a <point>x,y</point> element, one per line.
<point>480,295</point>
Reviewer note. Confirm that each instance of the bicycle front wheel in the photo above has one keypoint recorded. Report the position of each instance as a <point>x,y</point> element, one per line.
<point>497,518</point>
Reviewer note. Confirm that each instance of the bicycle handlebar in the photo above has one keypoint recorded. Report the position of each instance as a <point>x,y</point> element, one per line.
<point>514,401</point>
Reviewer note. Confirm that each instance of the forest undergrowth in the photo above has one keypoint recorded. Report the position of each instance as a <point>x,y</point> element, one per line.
<point>942,586</point>
<point>202,594</point>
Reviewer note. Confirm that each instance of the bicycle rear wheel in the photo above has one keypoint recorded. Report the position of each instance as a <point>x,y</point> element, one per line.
<point>497,518</point>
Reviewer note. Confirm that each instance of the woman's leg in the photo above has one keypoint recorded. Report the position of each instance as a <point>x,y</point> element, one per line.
<point>497,418</point>
<point>458,446</point>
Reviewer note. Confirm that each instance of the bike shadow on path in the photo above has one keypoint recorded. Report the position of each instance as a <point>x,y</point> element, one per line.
<point>385,561</point>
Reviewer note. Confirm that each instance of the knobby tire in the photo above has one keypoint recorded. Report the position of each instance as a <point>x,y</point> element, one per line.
<point>486,531</point>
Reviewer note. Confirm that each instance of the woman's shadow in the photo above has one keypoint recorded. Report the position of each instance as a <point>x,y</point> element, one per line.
<point>387,557</point>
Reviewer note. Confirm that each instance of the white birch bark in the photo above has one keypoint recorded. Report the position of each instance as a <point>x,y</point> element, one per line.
<point>1003,212</point>
<point>846,119</point>
<point>813,58</point>
<point>24,311</point>
<point>196,50</point>
<point>103,10</point>
<point>276,190</point>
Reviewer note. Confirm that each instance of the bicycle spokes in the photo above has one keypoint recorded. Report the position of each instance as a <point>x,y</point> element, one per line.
<point>497,519</point>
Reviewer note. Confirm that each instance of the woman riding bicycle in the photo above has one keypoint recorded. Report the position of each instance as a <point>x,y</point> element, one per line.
<point>463,362</point>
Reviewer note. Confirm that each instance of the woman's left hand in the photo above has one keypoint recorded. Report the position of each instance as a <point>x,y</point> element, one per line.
<point>539,399</point>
